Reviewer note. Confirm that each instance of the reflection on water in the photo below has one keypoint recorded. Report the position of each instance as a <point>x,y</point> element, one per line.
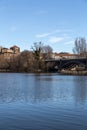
<point>43,102</point>
<point>39,88</point>
<point>80,89</point>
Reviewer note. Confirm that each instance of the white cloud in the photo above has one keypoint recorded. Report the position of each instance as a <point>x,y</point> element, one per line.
<point>47,34</point>
<point>55,39</point>
<point>43,35</point>
<point>53,32</point>
<point>69,42</point>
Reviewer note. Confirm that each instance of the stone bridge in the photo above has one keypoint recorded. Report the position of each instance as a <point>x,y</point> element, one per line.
<point>66,63</point>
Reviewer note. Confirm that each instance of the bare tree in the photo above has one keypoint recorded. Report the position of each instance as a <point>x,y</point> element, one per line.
<point>80,46</point>
<point>41,53</point>
<point>26,61</point>
<point>38,58</point>
<point>3,62</point>
<point>22,62</point>
<point>37,49</point>
<point>47,51</point>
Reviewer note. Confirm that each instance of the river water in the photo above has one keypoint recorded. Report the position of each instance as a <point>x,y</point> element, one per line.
<point>43,102</point>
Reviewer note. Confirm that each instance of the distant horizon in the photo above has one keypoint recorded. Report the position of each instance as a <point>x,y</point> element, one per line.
<point>53,22</point>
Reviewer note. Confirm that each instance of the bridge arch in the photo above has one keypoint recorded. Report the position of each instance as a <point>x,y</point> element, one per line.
<point>72,64</point>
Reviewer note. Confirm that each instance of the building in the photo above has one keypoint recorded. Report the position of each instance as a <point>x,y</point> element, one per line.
<point>15,49</point>
<point>7,53</point>
<point>64,56</point>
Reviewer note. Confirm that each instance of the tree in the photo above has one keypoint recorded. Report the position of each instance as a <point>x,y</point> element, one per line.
<point>37,49</point>
<point>47,51</point>
<point>23,62</point>
<point>41,53</point>
<point>26,61</point>
<point>38,58</point>
<point>3,62</point>
<point>80,46</point>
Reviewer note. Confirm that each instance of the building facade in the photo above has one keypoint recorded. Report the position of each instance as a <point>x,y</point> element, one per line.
<point>64,56</point>
<point>7,53</point>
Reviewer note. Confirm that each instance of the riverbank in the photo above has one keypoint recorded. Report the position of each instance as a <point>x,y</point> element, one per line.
<point>74,72</point>
<point>62,72</point>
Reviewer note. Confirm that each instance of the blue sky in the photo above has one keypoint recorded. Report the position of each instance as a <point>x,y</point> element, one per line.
<point>54,22</point>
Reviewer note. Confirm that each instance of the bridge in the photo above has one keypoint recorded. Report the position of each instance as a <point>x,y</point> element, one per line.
<point>58,64</point>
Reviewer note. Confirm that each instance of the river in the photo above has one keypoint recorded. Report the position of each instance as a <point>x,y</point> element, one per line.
<point>43,102</point>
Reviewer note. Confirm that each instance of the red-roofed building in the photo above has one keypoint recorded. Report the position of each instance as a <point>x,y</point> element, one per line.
<point>64,56</point>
